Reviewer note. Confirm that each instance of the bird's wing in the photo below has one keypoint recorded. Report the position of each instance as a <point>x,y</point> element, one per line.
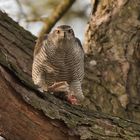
<point>78,62</point>
<point>39,43</point>
<point>79,43</point>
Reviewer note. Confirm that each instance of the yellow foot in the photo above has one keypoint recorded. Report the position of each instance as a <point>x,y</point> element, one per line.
<point>72,100</point>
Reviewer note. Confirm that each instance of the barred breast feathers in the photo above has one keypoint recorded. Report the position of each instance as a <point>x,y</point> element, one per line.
<point>67,63</point>
<point>38,69</point>
<point>39,43</point>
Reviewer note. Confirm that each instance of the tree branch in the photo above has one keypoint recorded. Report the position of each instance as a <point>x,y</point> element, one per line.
<point>57,13</point>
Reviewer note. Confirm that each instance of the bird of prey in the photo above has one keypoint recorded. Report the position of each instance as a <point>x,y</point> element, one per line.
<point>58,63</point>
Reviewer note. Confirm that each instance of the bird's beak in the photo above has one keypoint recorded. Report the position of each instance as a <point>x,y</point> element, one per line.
<point>64,34</point>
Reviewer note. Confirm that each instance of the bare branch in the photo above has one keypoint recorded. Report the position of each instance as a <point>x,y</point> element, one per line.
<point>57,13</point>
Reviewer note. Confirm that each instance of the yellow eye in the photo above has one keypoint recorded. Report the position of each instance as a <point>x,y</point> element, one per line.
<point>57,31</point>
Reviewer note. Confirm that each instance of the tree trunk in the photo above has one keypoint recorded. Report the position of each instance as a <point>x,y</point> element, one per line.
<point>25,113</point>
<point>113,65</point>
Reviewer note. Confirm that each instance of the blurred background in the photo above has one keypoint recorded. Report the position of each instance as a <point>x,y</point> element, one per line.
<point>29,14</point>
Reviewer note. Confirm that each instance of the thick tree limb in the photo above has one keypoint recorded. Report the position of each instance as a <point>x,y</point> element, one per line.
<point>18,120</point>
<point>21,106</point>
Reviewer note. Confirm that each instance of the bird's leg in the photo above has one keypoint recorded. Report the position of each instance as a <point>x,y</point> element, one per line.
<point>59,87</point>
<point>62,87</point>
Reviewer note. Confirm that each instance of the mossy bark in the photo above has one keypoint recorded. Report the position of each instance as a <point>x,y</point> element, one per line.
<point>27,114</point>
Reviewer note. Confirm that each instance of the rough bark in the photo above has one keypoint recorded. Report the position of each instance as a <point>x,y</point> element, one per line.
<point>113,65</point>
<point>27,114</point>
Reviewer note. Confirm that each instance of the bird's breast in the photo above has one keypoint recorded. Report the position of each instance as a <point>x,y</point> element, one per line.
<point>65,61</point>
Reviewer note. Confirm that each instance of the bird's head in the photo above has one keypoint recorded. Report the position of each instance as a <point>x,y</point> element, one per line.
<point>63,32</point>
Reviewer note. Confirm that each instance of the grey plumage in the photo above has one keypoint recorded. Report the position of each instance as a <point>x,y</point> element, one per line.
<point>59,57</point>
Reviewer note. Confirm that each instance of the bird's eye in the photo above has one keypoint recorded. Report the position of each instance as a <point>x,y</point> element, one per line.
<point>57,31</point>
<point>69,31</point>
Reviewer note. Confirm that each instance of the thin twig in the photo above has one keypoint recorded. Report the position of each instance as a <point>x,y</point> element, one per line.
<point>21,10</point>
